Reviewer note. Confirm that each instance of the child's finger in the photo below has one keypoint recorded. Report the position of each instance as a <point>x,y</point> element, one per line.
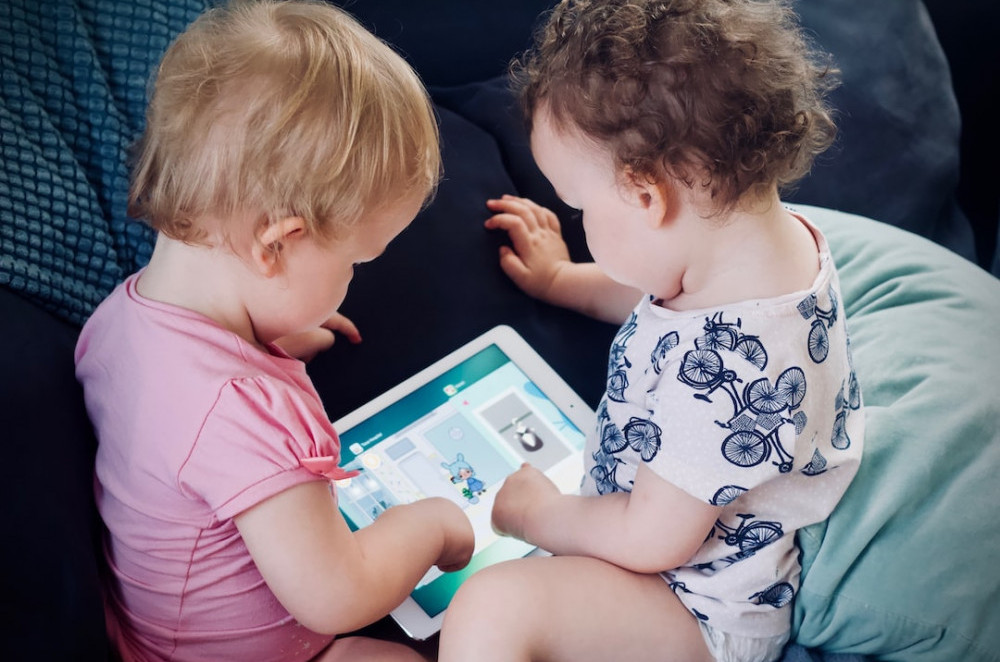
<point>512,265</point>
<point>306,344</point>
<point>545,217</point>
<point>343,325</point>
<point>552,221</point>
<point>521,207</point>
<point>535,208</point>
<point>506,202</point>
<point>541,216</point>
<point>509,222</point>
<point>321,339</point>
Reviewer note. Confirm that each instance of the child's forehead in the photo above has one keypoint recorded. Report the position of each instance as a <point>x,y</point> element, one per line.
<point>562,138</point>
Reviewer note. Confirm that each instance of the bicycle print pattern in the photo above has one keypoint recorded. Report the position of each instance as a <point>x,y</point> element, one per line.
<point>759,407</point>
<point>618,363</point>
<point>847,401</point>
<point>749,535</point>
<point>818,340</point>
<point>745,377</point>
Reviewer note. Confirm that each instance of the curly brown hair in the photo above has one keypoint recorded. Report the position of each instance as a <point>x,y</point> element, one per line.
<point>725,94</point>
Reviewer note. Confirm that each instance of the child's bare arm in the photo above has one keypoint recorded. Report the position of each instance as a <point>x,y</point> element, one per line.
<point>655,527</point>
<point>333,580</point>
<point>539,263</point>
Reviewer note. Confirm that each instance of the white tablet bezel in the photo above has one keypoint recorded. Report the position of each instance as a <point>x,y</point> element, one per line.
<point>409,615</point>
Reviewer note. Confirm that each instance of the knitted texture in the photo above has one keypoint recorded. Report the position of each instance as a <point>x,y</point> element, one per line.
<point>73,81</point>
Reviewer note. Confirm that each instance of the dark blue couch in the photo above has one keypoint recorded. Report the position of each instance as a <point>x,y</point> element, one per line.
<point>71,101</point>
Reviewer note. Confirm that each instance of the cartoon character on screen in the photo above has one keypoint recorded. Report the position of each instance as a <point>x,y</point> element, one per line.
<point>462,471</point>
<point>527,436</point>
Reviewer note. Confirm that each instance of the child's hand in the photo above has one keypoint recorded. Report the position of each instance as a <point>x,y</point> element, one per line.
<point>307,344</point>
<point>459,538</point>
<point>538,252</point>
<point>342,325</point>
<point>523,491</point>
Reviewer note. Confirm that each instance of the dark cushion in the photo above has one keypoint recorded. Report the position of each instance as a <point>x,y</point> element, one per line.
<point>967,30</point>
<point>897,154</point>
<point>454,42</point>
<point>51,607</point>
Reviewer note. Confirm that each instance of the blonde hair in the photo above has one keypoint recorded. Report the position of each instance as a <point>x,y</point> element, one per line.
<point>281,108</point>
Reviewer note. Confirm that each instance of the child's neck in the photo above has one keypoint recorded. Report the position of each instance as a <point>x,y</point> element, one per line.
<point>198,278</point>
<point>759,252</point>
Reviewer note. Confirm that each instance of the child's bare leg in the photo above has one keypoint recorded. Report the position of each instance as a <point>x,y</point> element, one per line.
<point>568,608</point>
<point>368,649</point>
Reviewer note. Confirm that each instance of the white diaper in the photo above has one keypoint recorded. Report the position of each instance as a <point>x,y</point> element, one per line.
<point>726,647</point>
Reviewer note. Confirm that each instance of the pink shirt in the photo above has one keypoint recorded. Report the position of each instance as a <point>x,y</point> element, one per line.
<point>194,425</point>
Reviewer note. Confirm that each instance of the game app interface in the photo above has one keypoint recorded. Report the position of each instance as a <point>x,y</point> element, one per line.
<point>458,437</point>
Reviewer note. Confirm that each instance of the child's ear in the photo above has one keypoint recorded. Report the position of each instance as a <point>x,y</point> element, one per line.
<point>655,198</point>
<point>270,240</point>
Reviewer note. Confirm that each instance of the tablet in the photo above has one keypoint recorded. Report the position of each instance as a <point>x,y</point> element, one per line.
<point>456,430</point>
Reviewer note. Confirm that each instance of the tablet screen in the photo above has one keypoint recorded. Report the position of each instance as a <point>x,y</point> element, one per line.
<point>458,436</point>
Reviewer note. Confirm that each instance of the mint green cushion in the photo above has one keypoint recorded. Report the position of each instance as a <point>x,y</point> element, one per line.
<point>906,568</point>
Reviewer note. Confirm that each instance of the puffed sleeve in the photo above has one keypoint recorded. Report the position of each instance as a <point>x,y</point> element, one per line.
<point>260,438</point>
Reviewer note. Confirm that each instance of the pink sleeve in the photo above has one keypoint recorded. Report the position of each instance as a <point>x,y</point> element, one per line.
<point>252,443</point>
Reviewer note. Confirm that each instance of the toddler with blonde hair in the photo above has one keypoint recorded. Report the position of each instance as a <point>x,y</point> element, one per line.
<point>284,145</point>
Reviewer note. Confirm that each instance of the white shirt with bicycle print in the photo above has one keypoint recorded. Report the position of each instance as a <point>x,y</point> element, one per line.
<point>753,406</point>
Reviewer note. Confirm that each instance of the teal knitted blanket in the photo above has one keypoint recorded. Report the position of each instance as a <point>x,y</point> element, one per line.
<point>73,80</point>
